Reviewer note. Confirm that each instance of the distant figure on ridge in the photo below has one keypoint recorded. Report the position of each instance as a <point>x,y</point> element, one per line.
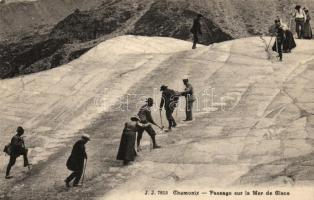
<point>196,29</point>
<point>307,26</point>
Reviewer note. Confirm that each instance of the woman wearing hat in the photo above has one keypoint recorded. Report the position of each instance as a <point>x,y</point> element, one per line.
<point>307,26</point>
<point>127,150</point>
<point>300,19</point>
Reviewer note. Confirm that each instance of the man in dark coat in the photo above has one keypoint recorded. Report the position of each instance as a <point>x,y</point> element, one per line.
<point>188,93</point>
<point>169,100</point>
<point>196,29</point>
<point>75,162</point>
<point>280,37</point>
<point>17,148</point>
<point>146,120</point>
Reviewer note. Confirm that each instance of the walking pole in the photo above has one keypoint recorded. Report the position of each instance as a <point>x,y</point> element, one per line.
<point>84,171</point>
<point>160,118</point>
<point>269,43</point>
<point>150,145</point>
<point>277,47</point>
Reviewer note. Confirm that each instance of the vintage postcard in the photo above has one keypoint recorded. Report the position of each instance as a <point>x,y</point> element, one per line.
<point>156,100</point>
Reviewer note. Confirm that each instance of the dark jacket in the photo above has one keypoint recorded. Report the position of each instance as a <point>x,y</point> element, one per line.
<point>280,35</point>
<point>196,28</point>
<point>76,159</point>
<point>169,99</point>
<point>17,145</point>
<point>145,115</point>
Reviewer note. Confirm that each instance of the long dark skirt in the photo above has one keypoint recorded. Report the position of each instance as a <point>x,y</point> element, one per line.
<point>127,146</point>
<point>308,31</point>
<point>288,43</point>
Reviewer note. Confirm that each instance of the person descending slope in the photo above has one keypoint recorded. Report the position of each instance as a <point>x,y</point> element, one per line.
<point>196,29</point>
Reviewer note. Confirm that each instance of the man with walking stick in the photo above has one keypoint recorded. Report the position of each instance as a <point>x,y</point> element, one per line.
<point>280,37</point>
<point>76,160</point>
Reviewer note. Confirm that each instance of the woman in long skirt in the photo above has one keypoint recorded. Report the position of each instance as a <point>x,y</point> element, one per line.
<point>307,26</point>
<point>288,42</point>
<point>127,152</point>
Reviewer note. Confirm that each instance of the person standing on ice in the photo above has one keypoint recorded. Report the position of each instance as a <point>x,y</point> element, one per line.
<point>75,162</point>
<point>188,94</point>
<point>17,148</point>
<point>307,25</point>
<point>280,38</point>
<point>146,121</point>
<point>300,19</point>
<point>169,100</point>
<point>127,152</point>
<point>196,29</point>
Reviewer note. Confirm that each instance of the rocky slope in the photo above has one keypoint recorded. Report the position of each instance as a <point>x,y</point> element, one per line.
<point>48,47</point>
<point>26,18</point>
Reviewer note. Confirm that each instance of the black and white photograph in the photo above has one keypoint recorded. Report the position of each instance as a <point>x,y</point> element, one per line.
<point>156,100</point>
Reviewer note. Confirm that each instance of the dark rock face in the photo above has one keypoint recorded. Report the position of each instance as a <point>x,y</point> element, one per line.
<point>85,26</point>
<point>166,18</point>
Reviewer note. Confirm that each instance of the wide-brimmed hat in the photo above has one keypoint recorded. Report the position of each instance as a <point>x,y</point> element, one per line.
<point>135,118</point>
<point>86,136</point>
<point>163,87</point>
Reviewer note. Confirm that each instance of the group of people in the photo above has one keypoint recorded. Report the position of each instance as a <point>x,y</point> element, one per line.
<point>132,133</point>
<point>75,162</point>
<point>302,21</point>
<point>143,121</point>
<point>284,41</point>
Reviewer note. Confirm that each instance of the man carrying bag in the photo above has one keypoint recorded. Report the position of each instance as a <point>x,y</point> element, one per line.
<point>15,149</point>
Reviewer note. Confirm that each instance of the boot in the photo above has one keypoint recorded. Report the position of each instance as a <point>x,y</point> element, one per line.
<point>155,146</point>
<point>174,124</point>
<point>67,183</point>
